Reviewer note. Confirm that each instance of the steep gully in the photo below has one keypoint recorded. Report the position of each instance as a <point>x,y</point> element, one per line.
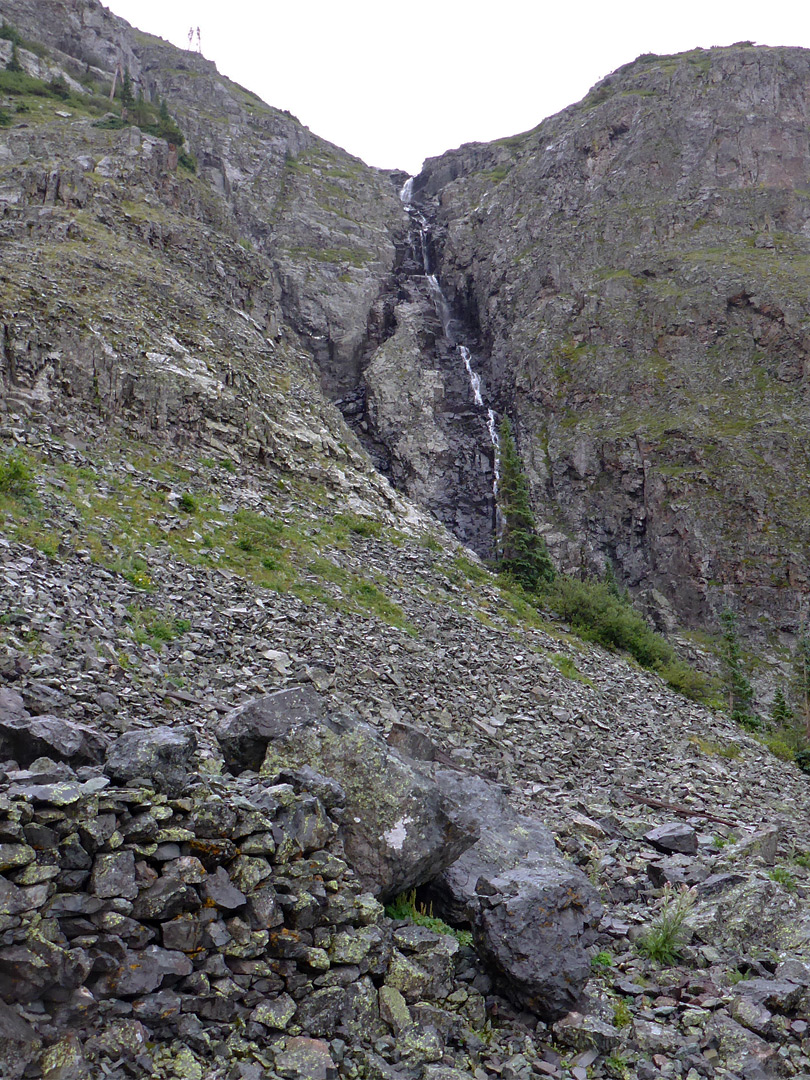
<point>448,326</point>
<point>418,404</point>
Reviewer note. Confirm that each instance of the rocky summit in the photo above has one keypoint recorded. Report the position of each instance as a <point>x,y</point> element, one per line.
<point>293,784</point>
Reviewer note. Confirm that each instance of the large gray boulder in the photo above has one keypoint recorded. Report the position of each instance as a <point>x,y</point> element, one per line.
<point>25,738</point>
<point>534,914</point>
<point>397,830</point>
<point>163,756</point>
<point>245,732</point>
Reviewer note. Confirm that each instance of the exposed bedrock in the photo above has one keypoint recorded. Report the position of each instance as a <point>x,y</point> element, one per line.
<point>638,267</point>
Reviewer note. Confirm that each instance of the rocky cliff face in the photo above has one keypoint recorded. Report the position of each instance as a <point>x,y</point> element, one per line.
<point>630,277</point>
<point>312,248</point>
<point>637,269</point>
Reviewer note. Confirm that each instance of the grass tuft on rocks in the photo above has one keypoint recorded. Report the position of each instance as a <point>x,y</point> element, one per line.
<point>663,940</point>
<point>406,906</point>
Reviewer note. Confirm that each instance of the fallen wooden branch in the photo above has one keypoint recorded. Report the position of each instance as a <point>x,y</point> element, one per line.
<point>684,811</point>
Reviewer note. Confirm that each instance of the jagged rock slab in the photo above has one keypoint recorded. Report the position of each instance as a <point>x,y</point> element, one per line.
<point>534,913</point>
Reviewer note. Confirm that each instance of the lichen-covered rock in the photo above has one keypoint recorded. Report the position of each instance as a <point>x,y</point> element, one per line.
<point>244,734</point>
<point>397,831</point>
<point>757,913</point>
<point>306,1059</point>
<point>742,1051</point>
<point>65,1060</point>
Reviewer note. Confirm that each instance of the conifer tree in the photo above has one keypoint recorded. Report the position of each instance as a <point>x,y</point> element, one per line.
<point>127,98</point>
<point>522,551</point>
<point>739,689</point>
<point>781,712</point>
<point>14,62</point>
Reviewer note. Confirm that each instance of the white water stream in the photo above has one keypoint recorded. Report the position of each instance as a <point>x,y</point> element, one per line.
<point>446,317</point>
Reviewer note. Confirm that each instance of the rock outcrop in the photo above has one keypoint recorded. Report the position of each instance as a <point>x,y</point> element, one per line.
<point>636,269</point>
<point>187,524</point>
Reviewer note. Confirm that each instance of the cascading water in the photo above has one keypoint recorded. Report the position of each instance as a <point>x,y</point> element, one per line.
<point>448,329</point>
<point>475,378</point>
<point>492,428</point>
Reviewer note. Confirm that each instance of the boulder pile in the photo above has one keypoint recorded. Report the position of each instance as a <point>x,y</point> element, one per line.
<point>153,917</point>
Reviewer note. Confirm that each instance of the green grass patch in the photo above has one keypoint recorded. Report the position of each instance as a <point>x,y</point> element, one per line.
<point>783,877</point>
<point>406,906</point>
<point>359,525</point>
<point>707,746</point>
<point>662,941</point>
<point>150,627</point>
<point>566,666</point>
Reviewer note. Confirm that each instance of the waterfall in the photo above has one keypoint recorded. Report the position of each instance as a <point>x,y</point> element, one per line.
<point>475,378</point>
<point>492,428</point>
<point>445,316</point>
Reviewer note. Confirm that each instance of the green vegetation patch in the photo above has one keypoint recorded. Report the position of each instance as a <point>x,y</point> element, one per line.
<point>596,613</point>
<point>662,941</point>
<point>126,523</point>
<point>153,628</point>
<point>16,475</point>
<point>407,907</point>
<point>566,666</point>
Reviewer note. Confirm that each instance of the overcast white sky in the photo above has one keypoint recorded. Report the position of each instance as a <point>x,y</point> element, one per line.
<point>396,83</point>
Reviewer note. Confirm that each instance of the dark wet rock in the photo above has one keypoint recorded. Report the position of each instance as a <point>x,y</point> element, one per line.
<point>164,899</point>
<point>218,889</point>
<point>114,875</point>
<point>144,971</point>
<point>677,870</point>
<point>318,1013</point>
<point>780,995</point>
<point>673,837</point>
<point>19,1043</point>
<point>26,738</point>
<point>535,925</point>
<point>162,756</point>
<point>535,915</point>
<point>411,742</point>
